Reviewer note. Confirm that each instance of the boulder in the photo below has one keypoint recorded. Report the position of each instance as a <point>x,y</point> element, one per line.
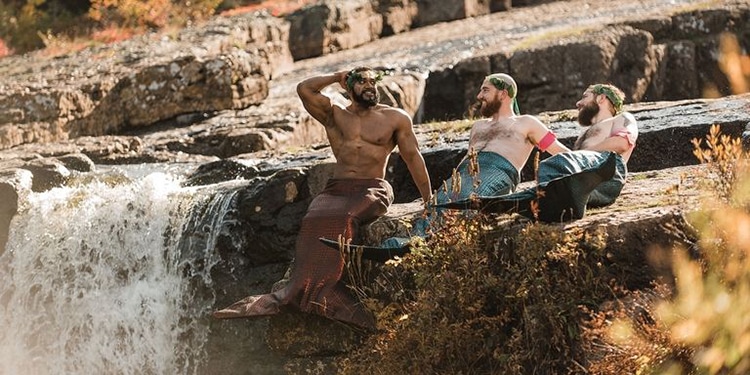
<point>332,25</point>
<point>15,185</point>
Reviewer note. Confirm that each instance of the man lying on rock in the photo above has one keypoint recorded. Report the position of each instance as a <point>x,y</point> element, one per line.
<point>362,135</point>
<point>499,146</point>
<point>592,175</point>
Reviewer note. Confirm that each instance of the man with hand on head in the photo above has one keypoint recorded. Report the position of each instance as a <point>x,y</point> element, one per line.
<point>362,136</point>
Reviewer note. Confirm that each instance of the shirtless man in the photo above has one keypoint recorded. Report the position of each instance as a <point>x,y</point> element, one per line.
<point>609,129</point>
<point>592,175</point>
<point>362,136</point>
<point>503,142</point>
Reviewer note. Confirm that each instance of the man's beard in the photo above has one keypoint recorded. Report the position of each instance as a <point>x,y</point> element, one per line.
<point>367,103</point>
<point>489,108</point>
<point>587,112</point>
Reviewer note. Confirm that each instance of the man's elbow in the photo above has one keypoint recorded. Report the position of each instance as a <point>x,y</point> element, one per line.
<point>300,89</point>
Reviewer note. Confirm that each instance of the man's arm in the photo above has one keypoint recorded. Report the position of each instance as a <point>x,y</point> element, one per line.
<point>540,135</point>
<point>408,147</point>
<point>317,104</point>
<point>623,135</point>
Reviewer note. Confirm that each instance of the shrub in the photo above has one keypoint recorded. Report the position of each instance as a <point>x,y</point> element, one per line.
<point>710,310</point>
<point>700,325</point>
<point>491,295</point>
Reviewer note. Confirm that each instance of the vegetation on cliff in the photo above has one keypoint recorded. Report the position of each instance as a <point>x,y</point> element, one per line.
<point>61,26</point>
<point>496,294</point>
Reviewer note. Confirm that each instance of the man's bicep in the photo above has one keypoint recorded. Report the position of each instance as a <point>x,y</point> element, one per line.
<point>321,110</point>
<point>536,130</point>
<point>632,126</point>
<point>626,128</point>
<point>315,103</point>
<point>406,139</point>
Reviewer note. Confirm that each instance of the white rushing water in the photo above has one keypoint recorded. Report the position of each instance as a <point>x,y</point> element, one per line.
<point>91,282</point>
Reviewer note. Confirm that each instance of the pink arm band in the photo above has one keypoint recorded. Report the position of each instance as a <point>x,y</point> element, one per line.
<point>546,141</point>
<point>625,134</point>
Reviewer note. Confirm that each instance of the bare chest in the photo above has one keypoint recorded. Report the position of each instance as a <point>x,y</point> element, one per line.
<point>371,129</point>
<point>493,132</point>
<point>594,134</point>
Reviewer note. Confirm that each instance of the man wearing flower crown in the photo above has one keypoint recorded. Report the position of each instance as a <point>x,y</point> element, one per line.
<point>362,135</point>
<point>609,129</point>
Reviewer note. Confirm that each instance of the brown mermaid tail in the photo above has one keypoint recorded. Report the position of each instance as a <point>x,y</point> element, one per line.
<point>315,284</point>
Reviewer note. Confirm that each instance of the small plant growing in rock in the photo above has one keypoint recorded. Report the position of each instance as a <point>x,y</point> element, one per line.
<point>725,158</point>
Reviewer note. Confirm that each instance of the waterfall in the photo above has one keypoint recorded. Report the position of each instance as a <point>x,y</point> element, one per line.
<point>94,279</point>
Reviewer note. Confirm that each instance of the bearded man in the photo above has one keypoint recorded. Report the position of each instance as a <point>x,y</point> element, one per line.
<point>362,136</point>
<point>503,141</point>
<point>590,176</point>
<point>609,129</point>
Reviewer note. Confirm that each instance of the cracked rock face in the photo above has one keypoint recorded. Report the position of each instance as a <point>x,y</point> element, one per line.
<point>222,97</point>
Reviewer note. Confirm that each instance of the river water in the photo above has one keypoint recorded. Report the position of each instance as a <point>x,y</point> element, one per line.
<point>94,279</point>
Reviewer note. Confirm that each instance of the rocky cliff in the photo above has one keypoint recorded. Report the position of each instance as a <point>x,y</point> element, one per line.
<point>219,97</point>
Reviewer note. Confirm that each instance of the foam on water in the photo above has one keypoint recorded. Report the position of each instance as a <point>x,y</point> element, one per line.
<point>90,282</point>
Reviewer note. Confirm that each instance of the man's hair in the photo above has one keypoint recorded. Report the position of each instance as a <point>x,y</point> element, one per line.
<point>613,94</point>
<point>354,75</point>
<point>502,81</point>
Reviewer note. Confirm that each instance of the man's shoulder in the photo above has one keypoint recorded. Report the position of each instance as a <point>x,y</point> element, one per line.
<point>627,116</point>
<point>385,108</point>
<point>530,122</point>
<point>393,113</point>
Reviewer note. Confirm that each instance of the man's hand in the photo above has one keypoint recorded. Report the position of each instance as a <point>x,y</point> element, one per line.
<point>343,77</point>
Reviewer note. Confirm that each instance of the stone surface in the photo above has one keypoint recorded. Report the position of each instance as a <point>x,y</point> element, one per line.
<point>234,115</point>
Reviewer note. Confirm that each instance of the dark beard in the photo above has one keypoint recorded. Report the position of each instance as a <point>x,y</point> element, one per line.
<point>586,113</point>
<point>490,108</point>
<point>367,103</point>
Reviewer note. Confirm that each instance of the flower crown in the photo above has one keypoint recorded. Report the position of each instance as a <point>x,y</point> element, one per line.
<point>502,85</point>
<point>353,77</point>
<point>607,91</point>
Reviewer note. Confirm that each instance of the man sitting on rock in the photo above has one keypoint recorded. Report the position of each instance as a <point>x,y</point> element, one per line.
<point>362,135</point>
<point>499,146</point>
<point>610,129</point>
<point>592,175</point>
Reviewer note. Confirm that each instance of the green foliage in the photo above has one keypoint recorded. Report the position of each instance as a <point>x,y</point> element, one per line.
<point>26,25</point>
<point>152,13</point>
<point>724,157</point>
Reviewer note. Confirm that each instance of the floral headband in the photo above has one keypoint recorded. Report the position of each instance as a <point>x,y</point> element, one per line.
<point>353,77</point>
<point>615,99</point>
<point>502,85</point>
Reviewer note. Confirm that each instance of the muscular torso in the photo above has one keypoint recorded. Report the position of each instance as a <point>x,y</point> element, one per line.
<point>361,143</point>
<point>505,137</point>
